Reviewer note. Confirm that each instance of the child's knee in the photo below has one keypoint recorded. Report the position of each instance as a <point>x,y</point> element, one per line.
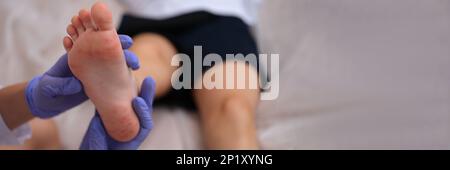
<point>236,107</point>
<point>151,38</point>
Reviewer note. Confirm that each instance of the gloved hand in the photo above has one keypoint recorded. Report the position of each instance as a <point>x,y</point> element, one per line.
<point>58,90</point>
<point>96,137</point>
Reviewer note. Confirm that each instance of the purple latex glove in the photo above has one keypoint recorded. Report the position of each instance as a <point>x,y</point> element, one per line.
<point>58,90</point>
<point>96,137</point>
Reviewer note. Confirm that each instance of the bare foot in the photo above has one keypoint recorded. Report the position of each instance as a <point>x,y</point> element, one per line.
<point>96,59</point>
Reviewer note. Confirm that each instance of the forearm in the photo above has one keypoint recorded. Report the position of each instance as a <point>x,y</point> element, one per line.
<point>13,105</point>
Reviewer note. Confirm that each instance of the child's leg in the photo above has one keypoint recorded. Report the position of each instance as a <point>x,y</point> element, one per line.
<point>44,135</point>
<point>155,54</point>
<point>228,116</point>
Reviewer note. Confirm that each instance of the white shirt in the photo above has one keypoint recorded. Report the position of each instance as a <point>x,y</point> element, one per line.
<point>13,137</point>
<point>247,10</point>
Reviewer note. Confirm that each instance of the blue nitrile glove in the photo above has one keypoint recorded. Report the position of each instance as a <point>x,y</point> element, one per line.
<point>58,90</point>
<point>96,137</point>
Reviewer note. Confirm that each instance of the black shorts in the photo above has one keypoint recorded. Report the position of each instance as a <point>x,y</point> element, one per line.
<point>216,34</point>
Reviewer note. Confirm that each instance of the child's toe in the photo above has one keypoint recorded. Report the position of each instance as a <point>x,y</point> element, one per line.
<point>102,16</point>
<point>78,25</point>
<point>67,42</point>
<point>72,31</point>
<point>85,17</point>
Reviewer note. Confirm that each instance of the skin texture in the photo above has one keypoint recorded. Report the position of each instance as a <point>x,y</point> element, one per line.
<point>96,59</point>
